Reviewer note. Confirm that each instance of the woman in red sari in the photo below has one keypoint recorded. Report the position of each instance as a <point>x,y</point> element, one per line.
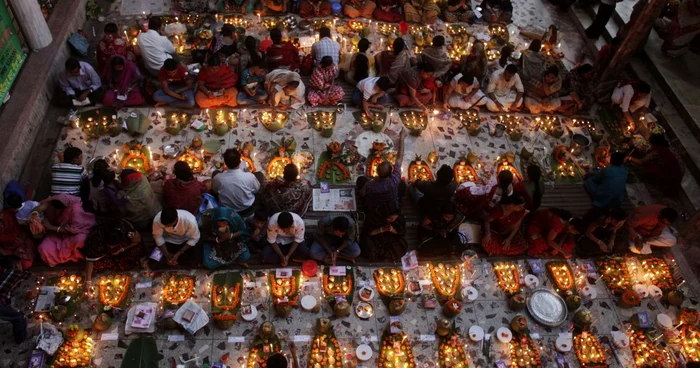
<point>472,199</point>
<point>388,11</point>
<point>281,55</point>
<point>502,228</point>
<point>110,45</point>
<point>314,8</point>
<point>217,85</point>
<point>14,240</point>
<point>551,233</point>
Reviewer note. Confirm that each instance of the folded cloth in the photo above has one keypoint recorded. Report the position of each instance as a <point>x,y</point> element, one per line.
<point>199,320</point>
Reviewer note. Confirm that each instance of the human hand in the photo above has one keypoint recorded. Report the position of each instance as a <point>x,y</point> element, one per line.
<point>83,96</point>
<point>181,97</point>
<point>499,106</point>
<point>485,239</point>
<point>370,114</point>
<point>403,135</point>
<point>506,243</point>
<point>172,261</point>
<point>209,94</point>
<point>334,258</point>
<point>443,233</point>
<point>445,106</point>
<point>285,261</point>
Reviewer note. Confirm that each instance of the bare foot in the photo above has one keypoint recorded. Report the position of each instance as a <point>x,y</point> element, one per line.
<point>244,265</point>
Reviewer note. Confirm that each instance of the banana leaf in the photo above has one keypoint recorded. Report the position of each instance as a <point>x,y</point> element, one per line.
<point>142,353</point>
<point>138,124</point>
<point>331,293</point>
<point>230,279</point>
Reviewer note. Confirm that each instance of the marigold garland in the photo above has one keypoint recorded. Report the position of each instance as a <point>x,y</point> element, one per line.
<point>645,353</point>
<point>177,289</point>
<point>615,274</point>
<point>226,299</point>
<point>329,358</point>
<point>690,343</point>
<point>337,285</point>
<point>588,351</point>
<point>284,288</point>
<point>396,352</point>
<point>390,282</point>
<point>446,279</point>
<point>560,272</point>
<point>507,276</point>
<point>451,352</point>
<point>76,353</point>
<point>656,270</point>
<point>524,353</point>
<point>114,289</point>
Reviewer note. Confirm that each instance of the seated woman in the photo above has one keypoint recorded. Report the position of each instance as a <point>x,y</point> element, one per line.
<point>66,226</point>
<point>122,83</point>
<point>438,232</point>
<point>224,43</point>
<point>111,44</point>
<point>314,8</point>
<point>419,89</point>
<point>421,11</point>
<point>476,63</point>
<point>501,228</point>
<point>228,242</point>
<point>323,90</point>
<point>104,190</point>
<point>177,88</point>
<point>359,65</point>
<point>532,63</point>
<point>371,93</point>
<point>112,245</point>
<point>217,85</point>
<point>140,204</point>
<point>249,54</point>
<point>600,233</point>
<point>607,187</point>
<point>384,232</point>
<point>183,192</point>
<point>235,6</point>
<point>550,233</point>
<point>273,7</point>
<point>577,90</point>
<point>497,11</point>
<point>388,11</point>
<point>464,92</point>
<point>359,8</point>
<point>437,57</point>
<point>14,239</point>
<point>543,94</point>
<point>458,11</point>
<point>532,188</point>
<point>287,194</point>
<point>285,90</point>
<point>281,55</point>
<point>252,85</point>
<point>472,199</point>
<point>660,166</point>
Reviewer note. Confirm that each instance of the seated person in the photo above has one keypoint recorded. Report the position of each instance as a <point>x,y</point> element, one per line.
<point>184,191</point>
<point>78,82</point>
<point>543,94</point>
<point>648,226</point>
<point>420,89</point>
<point>431,194</point>
<point>140,203</point>
<point>112,245</point>
<point>501,227</point>
<point>370,93</point>
<point>314,8</point>
<point>388,11</point>
<point>607,187</point>
<point>122,84</point>
<point>235,187</point>
<point>550,233</point>
<point>600,233</point>
<point>322,87</point>
<point>252,85</point>
<point>497,11</point>
<point>288,193</point>
<point>532,188</point>
<point>272,7</point>
<point>475,63</point>
<point>437,57</point>
<point>577,90</point>
<point>532,63</point>
<point>224,44</point>
<point>464,92</point>
<point>68,176</point>
<point>387,186</point>
<point>249,54</point>
<point>154,47</point>
<point>235,6</point>
<point>257,228</point>
<point>472,199</point>
<point>173,227</point>
<point>228,240</point>
<point>439,231</point>
<point>12,275</point>
<point>335,239</point>
<point>105,196</point>
<point>325,46</point>
<point>384,232</point>
<point>633,97</point>
<point>281,55</point>
<point>177,88</point>
<point>359,8</point>
<point>111,44</point>
<point>285,239</point>
<point>359,66</point>
<point>458,11</point>
<point>505,90</point>
<point>66,226</point>
<point>660,166</point>
<point>421,11</point>
<point>285,90</point>
<point>501,62</point>
<point>14,239</point>
<point>217,85</point>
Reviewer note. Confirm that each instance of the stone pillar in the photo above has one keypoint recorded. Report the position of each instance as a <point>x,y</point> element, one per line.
<point>32,22</point>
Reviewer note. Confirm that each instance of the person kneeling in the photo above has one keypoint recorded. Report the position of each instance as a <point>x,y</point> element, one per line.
<point>285,90</point>
<point>423,92</point>
<point>335,239</point>
<point>217,85</point>
<point>252,85</point>
<point>370,93</point>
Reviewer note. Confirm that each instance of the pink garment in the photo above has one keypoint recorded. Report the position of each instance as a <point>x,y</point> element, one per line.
<point>323,89</point>
<point>75,225</point>
<point>134,98</point>
<point>121,81</point>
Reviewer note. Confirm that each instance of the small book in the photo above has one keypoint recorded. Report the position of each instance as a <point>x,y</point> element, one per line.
<point>143,316</point>
<point>188,315</point>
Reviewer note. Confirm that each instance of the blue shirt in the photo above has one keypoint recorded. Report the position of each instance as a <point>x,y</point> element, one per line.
<point>608,186</point>
<point>250,80</point>
<point>87,79</point>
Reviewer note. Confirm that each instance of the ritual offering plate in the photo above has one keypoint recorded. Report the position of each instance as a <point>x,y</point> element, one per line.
<point>655,292</point>
<point>364,310</point>
<point>504,335</point>
<point>171,150</point>
<point>476,333</point>
<point>547,308</point>
<point>532,281</point>
<point>366,294</point>
<point>363,352</point>
<point>415,288</point>
<point>308,302</point>
<point>564,344</point>
<point>470,294</point>
<point>589,292</point>
<point>249,312</point>
<point>641,290</point>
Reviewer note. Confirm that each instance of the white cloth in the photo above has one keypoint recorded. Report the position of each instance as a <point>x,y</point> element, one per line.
<point>200,317</point>
<point>545,104</point>
<point>499,86</point>
<point>295,233</point>
<point>459,91</point>
<point>367,86</point>
<point>155,49</point>
<point>236,189</point>
<point>665,240</point>
<point>185,231</point>
<point>622,95</point>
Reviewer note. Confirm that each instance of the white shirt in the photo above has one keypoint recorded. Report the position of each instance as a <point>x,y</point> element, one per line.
<point>367,87</point>
<point>295,233</point>
<point>326,47</point>
<point>87,79</point>
<point>236,189</point>
<point>459,89</point>
<point>501,87</point>
<point>185,231</point>
<point>627,94</point>
<point>155,49</point>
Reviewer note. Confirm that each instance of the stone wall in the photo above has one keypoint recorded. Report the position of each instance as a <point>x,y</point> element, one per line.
<point>24,114</point>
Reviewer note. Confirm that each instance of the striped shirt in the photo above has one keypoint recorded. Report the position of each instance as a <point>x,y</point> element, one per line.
<point>66,178</point>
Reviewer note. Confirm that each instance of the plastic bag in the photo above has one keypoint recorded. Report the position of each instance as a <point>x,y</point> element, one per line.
<point>79,43</point>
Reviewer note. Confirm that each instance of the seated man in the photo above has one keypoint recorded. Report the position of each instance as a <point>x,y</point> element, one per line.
<point>252,85</point>
<point>285,239</point>
<point>325,46</point>
<point>633,97</point>
<point>505,90</point>
<point>387,185</point>
<point>175,227</point>
<point>648,226</point>
<point>235,188</point>
<point>430,194</point>
<point>281,55</point>
<point>607,187</point>
<point>78,83</point>
<point>217,85</point>
<point>438,231</point>
<point>543,94</point>
<point>177,88</point>
<point>359,8</point>
<point>420,91</point>
<point>497,11</point>
<point>155,49</point>
<point>464,92</point>
<point>314,8</point>
<point>335,239</point>
<point>577,90</point>
<point>68,176</point>
<point>370,93</point>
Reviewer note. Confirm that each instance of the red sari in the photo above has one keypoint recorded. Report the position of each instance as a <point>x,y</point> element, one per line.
<point>539,228</point>
<point>14,240</point>
<point>501,227</point>
<point>392,15</point>
<point>282,56</point>
<point>110,45</point>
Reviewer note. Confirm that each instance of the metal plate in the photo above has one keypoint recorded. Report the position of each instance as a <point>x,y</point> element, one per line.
<point>171,150</point>
<point>364,310</point>
<point>547,308</point>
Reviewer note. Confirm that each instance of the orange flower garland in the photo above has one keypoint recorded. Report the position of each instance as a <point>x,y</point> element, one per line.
<point>615,274</point>
<point>689,316</point>
<point>464,172</point>
<point>645,353</point>
<point>419,170</point>
<point>396,352</point>
<point>657,272</point>
<point>389,282</point>
<point>451,352</point>
<point>337,285</point>
<point>562,276</point>
<point>508,278</point>
<point>114,289</point>
<point>226,299</point>
<point>177,289</point>
<point>325,352</point>
<point>588,351</point>
<point>446,279</point>
<point>690,343</point>
<point>284,288</point>
<point>524,353</point>
<point>76,353</point>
